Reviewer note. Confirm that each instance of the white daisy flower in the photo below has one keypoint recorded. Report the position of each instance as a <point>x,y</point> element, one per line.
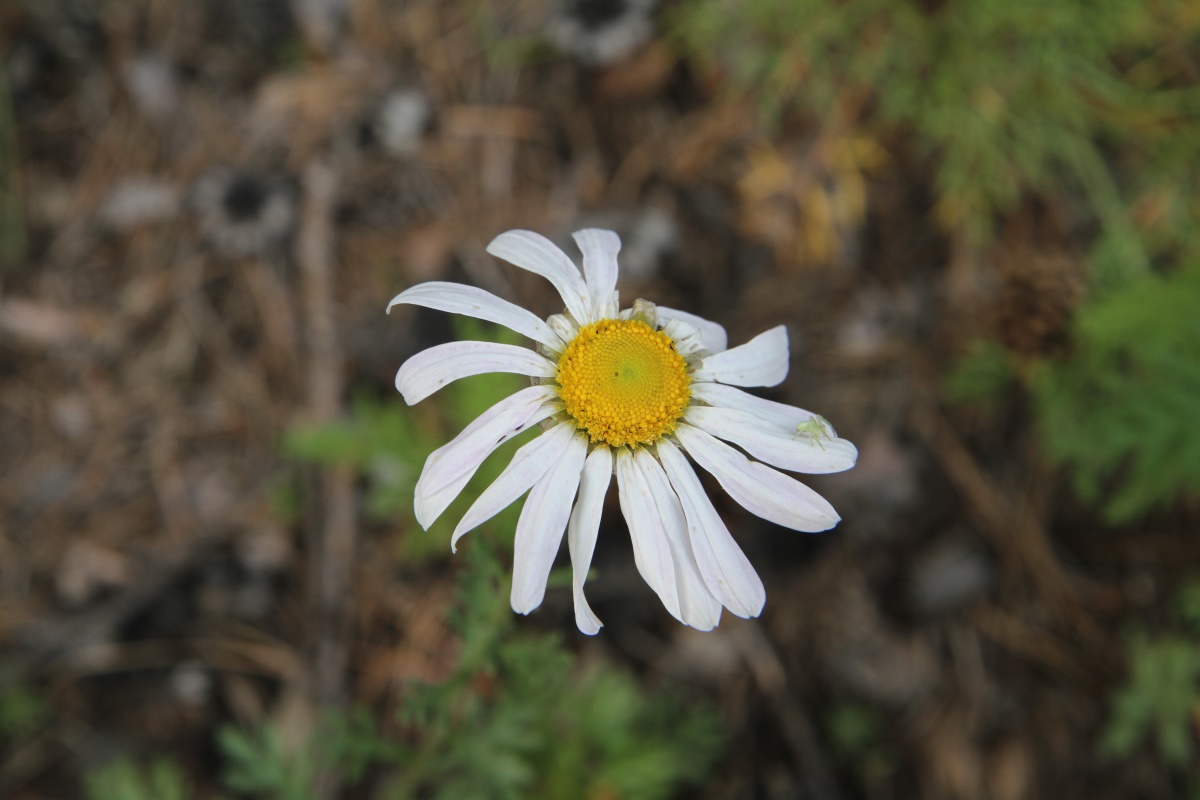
<point>626,393</point>
<point>602,32</point>
<point>242,213</point>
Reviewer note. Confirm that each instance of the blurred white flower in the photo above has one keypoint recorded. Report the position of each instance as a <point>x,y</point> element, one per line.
<point>151,83</point>
<point>626,392</point>
<point>602,32</point>
<point>401,121</point>
<point>139,201</point>
<point>242,213</point>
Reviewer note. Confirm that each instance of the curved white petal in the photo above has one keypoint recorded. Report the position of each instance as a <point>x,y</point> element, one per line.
<point>783,449</point>
<point>762,361</point>
<point>536,253</point>
<point>600,249</point>
<point>651,550</point>
<point>448,468</point>
<point>430,505</point>
<point>756,487</point>
<point>725,569</point>
<point>713,334</point>
<point>541,524</point>
<point>527,466</point>
<point>778,415</point>
<point>430,370</point>
<point>455,298</point>
<point>583,530</point>
<point>697,605</point>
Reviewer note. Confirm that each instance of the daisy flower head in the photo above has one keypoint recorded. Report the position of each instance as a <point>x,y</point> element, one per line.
<point>630,393</point>
<point>243,213</point>
<point>602,32</point>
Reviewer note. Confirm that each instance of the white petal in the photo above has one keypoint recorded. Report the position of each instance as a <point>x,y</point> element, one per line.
<point>455,298</point>
<point>430,505</point>
<point>762,361</point>
<point>536,253</point>
<point>430,370</point>
<point>540,527</point>
<point>778,415</point>
<point>687,339</point>
<point>651,550</point>
<point>563,326</point>
<point>786,450</point>
<point>583,529</point>
<point>697,606</point>
<point>725,569</point>
<point>600,249</point>
<point>715,338</point>
<point>528,464</point>
<point>756,487</point>
<point>448,468</point>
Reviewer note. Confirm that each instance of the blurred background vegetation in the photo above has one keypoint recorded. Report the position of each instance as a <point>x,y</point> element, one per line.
<point>976,217</point>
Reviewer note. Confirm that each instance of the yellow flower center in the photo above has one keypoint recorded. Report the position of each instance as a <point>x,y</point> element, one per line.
<point>623,382</point>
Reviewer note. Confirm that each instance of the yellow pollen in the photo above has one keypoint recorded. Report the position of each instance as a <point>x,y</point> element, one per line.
<point>623,382</point>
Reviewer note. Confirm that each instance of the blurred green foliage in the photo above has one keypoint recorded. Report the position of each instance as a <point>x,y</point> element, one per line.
<point>257,764</point>
<point>861,742</point>
<point>516,719</point>
<point>982,374</point>
<point>853,729</point>
<point>1007,98</point>
<point>1121,412</point>
<point>1160,703</point>
<point>23,711</point>
<point>125,780</point>
<point>1188,605</point>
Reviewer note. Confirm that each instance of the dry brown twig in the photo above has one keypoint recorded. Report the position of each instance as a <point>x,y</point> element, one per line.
<point>794,722</point>
<point>333,537</point>
<point>1013,529</point>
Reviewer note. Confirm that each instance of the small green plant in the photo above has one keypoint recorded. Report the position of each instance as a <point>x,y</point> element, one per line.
<point>126,780</point>
<point>518,719</point>
<point>1120,413</point>
<point>258,764</point>
<point>354,743</point>
<point>1160,703</point>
